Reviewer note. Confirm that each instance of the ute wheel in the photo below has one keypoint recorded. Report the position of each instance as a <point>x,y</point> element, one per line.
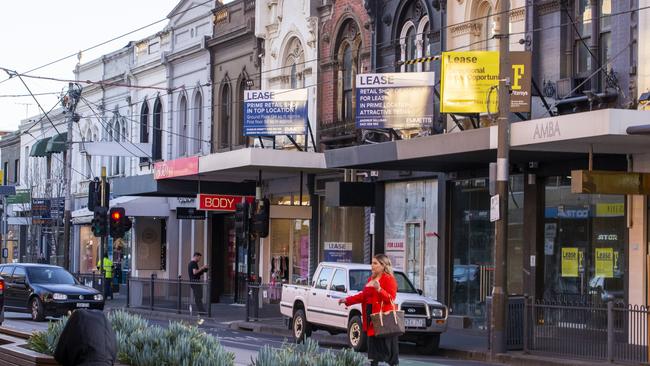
<point>429,344</point>
<point>300,327</point>
<point>357,338</point>
<point>36,309</point>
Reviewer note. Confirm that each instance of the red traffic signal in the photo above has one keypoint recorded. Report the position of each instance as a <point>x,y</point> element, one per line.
<point>116,216</point>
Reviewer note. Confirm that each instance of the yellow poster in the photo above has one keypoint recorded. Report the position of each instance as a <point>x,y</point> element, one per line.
<point>605,262</point>
<point>467,78</point>
<point>610,209</point>
<point>569,262</point>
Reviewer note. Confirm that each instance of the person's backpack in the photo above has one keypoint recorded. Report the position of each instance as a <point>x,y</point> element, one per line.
<point>87,339</point>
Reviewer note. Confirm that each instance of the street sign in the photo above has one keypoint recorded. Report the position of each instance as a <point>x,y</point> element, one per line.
<point>21,196</point>
<point>5,253</point>
<point>495,213</point>
<point>7,190</point>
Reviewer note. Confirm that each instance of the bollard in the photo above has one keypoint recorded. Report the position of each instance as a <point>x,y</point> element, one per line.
<point>178,305</point>
<point>248,301</point>
<point>151,292</point>
<point>128,288</point>
<point>209,290</point>
<point>610,331</point>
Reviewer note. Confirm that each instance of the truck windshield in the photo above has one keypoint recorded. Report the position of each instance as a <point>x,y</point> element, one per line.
<point>359,278</point>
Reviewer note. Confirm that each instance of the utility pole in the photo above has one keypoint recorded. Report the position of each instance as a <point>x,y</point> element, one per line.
<point>70,102</point>
<point>102,194</point>
<point>499,291</point>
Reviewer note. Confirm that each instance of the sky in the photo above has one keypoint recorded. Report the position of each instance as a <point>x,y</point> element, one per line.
<point>36,32</point>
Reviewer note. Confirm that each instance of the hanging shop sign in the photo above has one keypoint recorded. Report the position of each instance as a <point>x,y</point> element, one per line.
<point>275,112</point>
<point>609,182</point>
<point>176,168</point>
<point>395,100</point>
<point>41,211</point>
<point>521,63</point>
<point>189,213</point>
<point>220,202</point>
<point>467,79</point>
<point>569,262</point>
<point>340,252</point>
<point>605,262</point>
<point>396,251</point>
<point>22,196</point>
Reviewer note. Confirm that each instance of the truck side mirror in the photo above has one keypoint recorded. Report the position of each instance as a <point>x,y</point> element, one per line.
<point>420,292</point>
<point>339,288</point>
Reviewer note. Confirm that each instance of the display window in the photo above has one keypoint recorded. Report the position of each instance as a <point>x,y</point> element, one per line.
<point>289,254</point>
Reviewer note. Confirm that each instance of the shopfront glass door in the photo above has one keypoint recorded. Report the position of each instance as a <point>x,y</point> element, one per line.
<point>289,251</point>
<point>415,253</point>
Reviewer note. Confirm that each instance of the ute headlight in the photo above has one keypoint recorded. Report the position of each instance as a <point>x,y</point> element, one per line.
<point>99,297</point>
<point>59,296</point>
<point>437,312</point>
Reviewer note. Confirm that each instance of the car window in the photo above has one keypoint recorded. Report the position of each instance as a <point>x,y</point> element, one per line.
<point>6,271</point>
<point>19,274</point>
<point>50,275</point>
<point>338,281</point>
<point>359,278</point>
<point>403,284</point>
<point>323,278</point>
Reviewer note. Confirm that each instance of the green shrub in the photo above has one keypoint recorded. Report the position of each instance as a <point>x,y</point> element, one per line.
<point>307,354</point>
<point>141,344</point>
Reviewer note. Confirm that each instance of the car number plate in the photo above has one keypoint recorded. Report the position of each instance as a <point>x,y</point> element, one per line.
<point>414,322</point>
<point>83,305</point>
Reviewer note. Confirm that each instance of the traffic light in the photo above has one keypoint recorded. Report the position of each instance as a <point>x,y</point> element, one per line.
<point>100,221</point>
<point>261,215</point>
<point>94,194</point>
<point>242,220</point>
<point>120,223</point>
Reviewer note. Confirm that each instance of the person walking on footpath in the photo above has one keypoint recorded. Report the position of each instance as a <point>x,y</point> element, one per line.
<point>195,272</point>
<point>107,264</point>
<point>378,296</point>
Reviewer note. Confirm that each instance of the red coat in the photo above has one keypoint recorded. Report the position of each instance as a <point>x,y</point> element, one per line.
<point>370,295</point>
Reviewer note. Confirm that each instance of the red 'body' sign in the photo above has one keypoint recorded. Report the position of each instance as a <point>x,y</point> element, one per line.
<point>220,202</point>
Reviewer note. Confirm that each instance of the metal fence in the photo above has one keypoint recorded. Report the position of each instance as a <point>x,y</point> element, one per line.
<point>263,301</point>
<point>604,332</point>
<point>180,296</point>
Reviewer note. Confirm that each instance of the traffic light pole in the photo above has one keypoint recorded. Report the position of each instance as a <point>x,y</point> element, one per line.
<point>499,297</point>
<point>102,185</point>
<point>67,215</point>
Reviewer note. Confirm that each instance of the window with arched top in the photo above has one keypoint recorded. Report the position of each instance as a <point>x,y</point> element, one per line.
<point>182,126</point>
<point>225,116</point>
<point>241,139</point>
<point>156,149</point>
<point>486,23</point>
<point>198,123</point>
<point>347,56</point>
<point>144,126</point>
<point>294,64</point>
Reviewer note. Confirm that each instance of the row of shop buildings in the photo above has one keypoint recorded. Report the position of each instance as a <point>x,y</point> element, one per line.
<point>172,105</point>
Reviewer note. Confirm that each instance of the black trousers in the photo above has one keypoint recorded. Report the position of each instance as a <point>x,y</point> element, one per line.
<point>108,288</point>
<point>197,290</point>
<point>383,350</point>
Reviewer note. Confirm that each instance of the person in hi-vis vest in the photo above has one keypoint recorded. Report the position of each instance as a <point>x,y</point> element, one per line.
<point>108,276</point>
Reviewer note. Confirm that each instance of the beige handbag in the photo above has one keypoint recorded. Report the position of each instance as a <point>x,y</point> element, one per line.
<point>389,323</point>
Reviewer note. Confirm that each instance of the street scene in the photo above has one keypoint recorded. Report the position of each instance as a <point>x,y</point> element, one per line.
<point>325,182</point>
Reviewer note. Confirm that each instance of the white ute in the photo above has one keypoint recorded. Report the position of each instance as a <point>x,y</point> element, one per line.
<point>316,307</point>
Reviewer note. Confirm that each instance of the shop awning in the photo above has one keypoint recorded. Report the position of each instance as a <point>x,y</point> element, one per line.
<point>556,138</point>
<point>39,149</point>
<point>146,185</point>
<point>57,143</point>
<point>133,206</point>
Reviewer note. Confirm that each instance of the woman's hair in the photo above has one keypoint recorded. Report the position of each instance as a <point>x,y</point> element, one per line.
<point>385,261</point>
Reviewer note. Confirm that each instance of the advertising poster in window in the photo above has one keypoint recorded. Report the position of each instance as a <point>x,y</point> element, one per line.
<point>275,112</point>
<point>395,100</point>
<point>569,262</point>
<point>467,79</point>
<point>339,252</point>
<point>605,262</point>
<point>396,251</point>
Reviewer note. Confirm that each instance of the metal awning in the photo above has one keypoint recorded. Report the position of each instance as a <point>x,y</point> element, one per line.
<point>556,138</point>
<point>57,143</point>
<point>39,149</point>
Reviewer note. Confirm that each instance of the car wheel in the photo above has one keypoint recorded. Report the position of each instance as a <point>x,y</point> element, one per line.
<point>429,344</point>
<point>357,338</point>
<point>36,309</point>
<point>300,327</point>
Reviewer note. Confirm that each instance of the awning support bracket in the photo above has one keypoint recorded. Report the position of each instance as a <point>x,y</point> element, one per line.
<point>293,141</point>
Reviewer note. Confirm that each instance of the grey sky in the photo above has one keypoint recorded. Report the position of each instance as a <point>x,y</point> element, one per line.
<point>35,32</point>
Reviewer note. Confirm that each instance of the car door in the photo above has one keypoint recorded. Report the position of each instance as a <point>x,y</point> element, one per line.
<point>337,315</point>
<point>6,273</point>
<point>21,287</point>
<point>316,303</point>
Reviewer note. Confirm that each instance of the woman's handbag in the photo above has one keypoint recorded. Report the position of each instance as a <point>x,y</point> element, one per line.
<point>389,323</point>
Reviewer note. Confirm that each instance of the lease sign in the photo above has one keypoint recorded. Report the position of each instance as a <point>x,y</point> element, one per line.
<point>220,202</point>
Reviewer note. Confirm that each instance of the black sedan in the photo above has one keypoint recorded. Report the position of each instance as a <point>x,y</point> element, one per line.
<point>44,290</point>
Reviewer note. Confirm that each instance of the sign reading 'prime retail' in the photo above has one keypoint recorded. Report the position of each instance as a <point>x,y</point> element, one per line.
<point>395,100</point>
<point>275,112</point>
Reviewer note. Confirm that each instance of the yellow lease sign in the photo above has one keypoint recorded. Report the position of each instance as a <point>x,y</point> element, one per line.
<point>569,262</point>
<point>605,262</point>
<point>467,79</point>
<point>2,176</point>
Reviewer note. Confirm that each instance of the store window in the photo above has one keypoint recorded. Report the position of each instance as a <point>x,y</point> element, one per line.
<point>584,244</point>
<point>411,232</point>
<point>289,251</point>
<point>342,232</point>
<point>88,250</point>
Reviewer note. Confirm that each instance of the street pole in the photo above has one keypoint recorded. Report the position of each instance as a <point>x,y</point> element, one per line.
<point>4,226</point>
<point>67,215</point>
<point>499,296</point>
<point>102,189</point>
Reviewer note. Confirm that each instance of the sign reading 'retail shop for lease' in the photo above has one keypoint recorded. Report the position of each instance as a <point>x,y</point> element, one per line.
<point>275,112</point>
<point>395,100</point>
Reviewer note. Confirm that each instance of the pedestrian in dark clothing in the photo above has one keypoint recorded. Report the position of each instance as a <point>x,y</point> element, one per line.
<point>195,272</point>
<point>86,340</point>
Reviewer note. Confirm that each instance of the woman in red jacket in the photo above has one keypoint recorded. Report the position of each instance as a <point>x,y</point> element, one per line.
<point>378,295</point>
